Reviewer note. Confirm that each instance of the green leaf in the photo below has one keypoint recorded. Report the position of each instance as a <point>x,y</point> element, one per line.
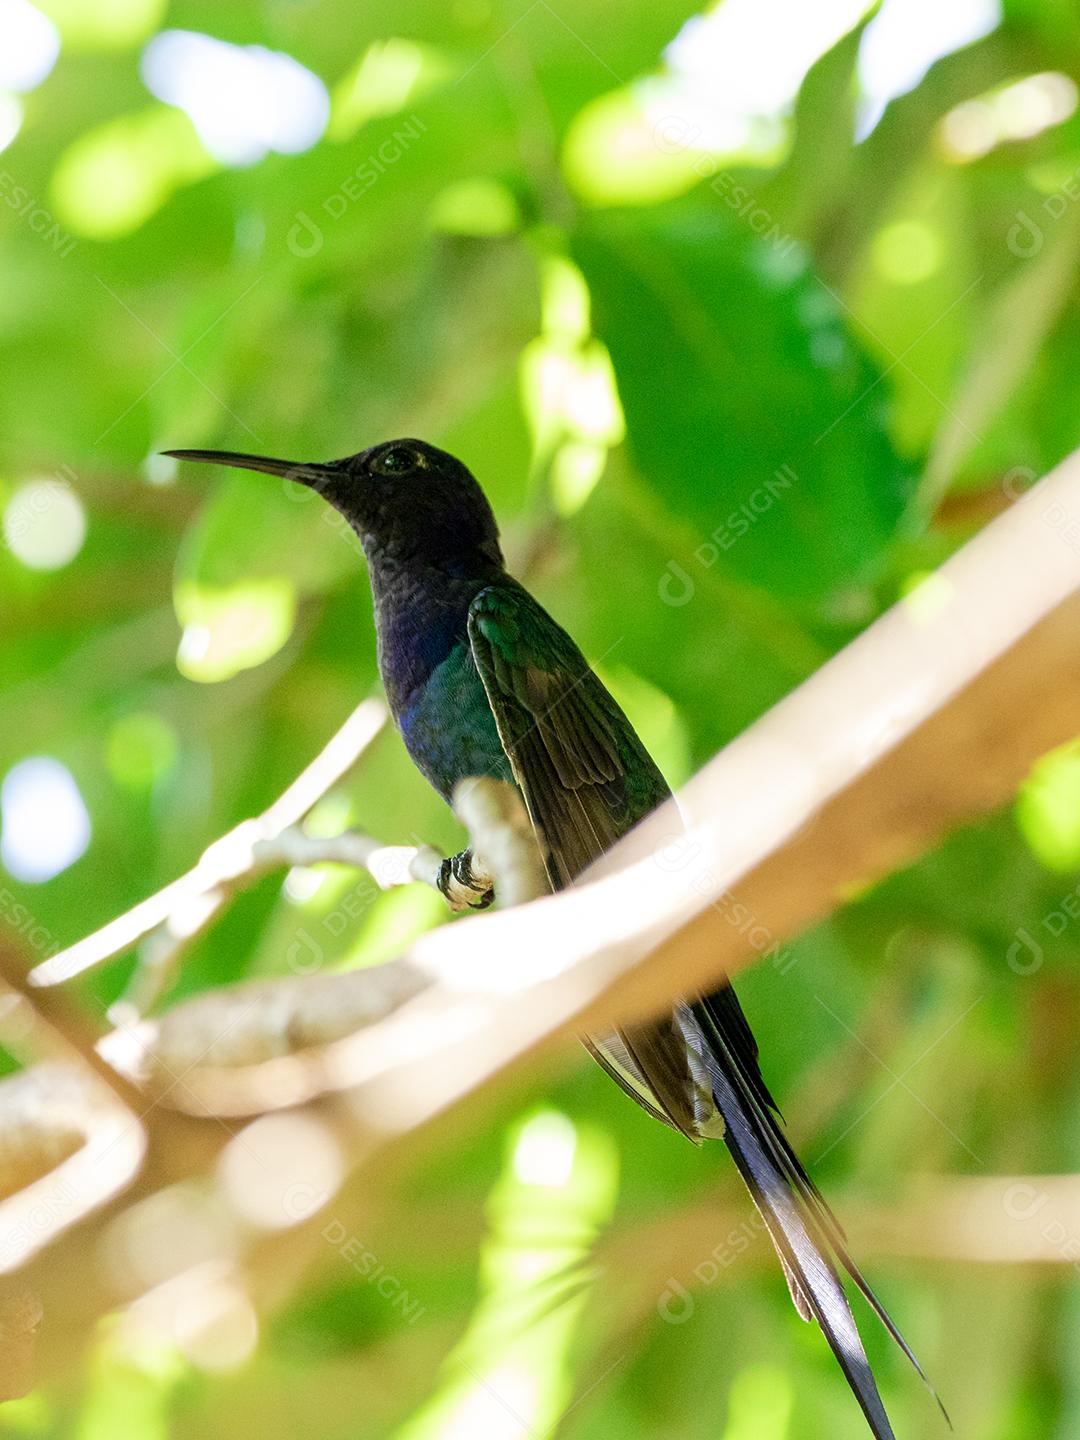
<point>748,406</point>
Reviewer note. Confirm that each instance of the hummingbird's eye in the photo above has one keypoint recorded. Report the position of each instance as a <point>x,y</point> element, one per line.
<point>398,460</point>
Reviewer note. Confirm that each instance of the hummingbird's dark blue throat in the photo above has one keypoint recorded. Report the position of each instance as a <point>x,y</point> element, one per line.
<point>482,681</point>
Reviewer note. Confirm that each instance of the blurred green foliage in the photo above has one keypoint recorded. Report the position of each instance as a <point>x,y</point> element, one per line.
<point>729,404</point>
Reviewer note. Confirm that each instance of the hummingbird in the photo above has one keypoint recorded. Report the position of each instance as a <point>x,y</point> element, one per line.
<point>482,681</point>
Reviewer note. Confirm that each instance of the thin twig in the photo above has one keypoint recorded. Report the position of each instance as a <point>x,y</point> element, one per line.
<point>185,907</point>
<point>250,1026</point>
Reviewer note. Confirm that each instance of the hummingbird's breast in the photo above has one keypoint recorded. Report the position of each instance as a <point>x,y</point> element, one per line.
<point>448,728</point>
<point>432,684</point>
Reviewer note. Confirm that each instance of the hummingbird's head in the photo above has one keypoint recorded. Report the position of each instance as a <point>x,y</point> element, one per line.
<point>404,498</point>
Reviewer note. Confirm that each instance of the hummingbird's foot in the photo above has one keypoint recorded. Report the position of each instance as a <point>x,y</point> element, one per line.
<point>465,884</point>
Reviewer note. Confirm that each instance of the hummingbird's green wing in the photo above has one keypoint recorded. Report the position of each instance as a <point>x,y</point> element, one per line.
<point>557,725</point>
<point>586,779</point>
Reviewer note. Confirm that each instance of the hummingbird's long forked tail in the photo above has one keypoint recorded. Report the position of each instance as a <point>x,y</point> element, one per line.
<point>806,1234</point>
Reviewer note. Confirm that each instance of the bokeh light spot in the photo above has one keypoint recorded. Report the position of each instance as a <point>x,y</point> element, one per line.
<point>618,152</point>
<point>908,252</point>
<point>281,1170</point>
<point>140,749</point>
<point>544,1153</point>
<point>1048,808</point>
<point>170,1233</point>
<point>244,100</point>
<point>303,883</point>
<point>1015,112</point>
<point>45,825</point>
<point>29,45</point>
<point>159,470</point>
<point>476,207</point>
<point>44,524</point>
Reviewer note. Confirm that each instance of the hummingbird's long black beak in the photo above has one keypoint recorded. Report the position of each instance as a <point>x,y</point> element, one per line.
<point>313,473</point>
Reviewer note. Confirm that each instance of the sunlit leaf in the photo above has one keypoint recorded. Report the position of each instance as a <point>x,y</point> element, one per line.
<point>389,75</point>
<point>232,628</point>
<point>113,178</point>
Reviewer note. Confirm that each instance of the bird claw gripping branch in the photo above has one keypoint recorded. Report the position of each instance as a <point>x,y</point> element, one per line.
<point>465,888</point>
